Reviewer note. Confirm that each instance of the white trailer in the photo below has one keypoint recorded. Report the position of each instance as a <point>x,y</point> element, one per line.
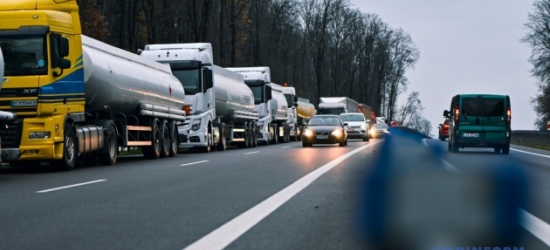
<point>270,103</point>
<point>219,105</point>
<point>300,110</point>
<point>337,105</point>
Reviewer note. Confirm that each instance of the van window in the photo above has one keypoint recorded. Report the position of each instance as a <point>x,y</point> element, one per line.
<point>483,106</point>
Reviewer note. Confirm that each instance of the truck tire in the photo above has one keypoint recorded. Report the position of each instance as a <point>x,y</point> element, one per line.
<point>254,135</point>
<point>209,140</point>
<point>165,139</point>
<point>174,139</point>
<point>70,150</point>
<point>153,151</point>
<point>276,134</point>
<point>222,145</point>
<point>245,143</point>
<point>109,153</point>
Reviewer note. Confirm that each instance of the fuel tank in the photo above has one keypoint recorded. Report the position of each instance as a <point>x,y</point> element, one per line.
<point>122,81</point>
<point>234,99</point>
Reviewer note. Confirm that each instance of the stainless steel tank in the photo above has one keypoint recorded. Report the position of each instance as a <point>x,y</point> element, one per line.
<point>234,99</point>
<point>123,80</point>
<point>278,105</point>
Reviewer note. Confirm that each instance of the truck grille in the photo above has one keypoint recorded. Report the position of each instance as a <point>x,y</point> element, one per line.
<point>11,137</point>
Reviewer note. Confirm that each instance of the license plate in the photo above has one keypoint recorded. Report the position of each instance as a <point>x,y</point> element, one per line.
<point>322,137</point>
<point>471,135</point>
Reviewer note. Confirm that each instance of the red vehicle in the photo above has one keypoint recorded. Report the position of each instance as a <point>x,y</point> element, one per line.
<point>444,130</point>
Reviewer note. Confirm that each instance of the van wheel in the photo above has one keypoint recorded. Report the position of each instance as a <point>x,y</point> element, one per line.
<point>455,147</point>
<point>506,149</point>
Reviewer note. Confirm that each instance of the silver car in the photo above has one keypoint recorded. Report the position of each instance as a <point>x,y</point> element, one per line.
<point>358,125</point>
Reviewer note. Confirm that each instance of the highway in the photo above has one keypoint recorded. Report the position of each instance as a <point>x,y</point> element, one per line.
<point>270,197</point>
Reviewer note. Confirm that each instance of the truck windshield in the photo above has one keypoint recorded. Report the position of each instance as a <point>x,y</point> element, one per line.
<point>24,55</point>
<point>289,101</point>
<point>331,111</point>
<point>190,79</point>
<point>258,94</point>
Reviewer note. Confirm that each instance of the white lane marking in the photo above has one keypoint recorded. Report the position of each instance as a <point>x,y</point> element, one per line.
<point>286,147</point>
<point>536,226</point>
<point>192,163</point>
<point>249,153</point>
<point>70,186</point>
<point>529,153</point>
<point>230,231</point>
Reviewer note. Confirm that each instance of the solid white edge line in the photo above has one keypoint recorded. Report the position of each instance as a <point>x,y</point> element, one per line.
<point>249,153</point>
<point>230,231</point>
<point>192,163</point>
<point>539,228</point>
<point>529,153</point>
<point>536,226</point>
<point>70,186</point>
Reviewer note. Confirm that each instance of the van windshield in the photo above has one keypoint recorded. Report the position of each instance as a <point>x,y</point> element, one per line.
<point>483,106</point>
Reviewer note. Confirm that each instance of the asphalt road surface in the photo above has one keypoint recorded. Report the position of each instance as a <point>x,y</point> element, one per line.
<point>270,197</point>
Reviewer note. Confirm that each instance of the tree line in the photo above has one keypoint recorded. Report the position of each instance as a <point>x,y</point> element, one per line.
<point>321,47</point>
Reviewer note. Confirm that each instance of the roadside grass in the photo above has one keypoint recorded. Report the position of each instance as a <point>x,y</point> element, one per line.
<point>544,147</point>
<point>129,151</point>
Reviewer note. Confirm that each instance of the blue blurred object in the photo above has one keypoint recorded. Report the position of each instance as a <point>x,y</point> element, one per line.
<point>411,201</point>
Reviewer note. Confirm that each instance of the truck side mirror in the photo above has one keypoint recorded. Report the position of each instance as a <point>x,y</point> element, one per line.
<point>208,79</point>
<point>268,95</point>
<point>446,113</point>
<point>63,47</point>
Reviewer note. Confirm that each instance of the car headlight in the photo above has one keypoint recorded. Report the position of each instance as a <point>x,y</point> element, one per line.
<point>337,132</point>
<point>40,135</point>
<point>308,133</point>
<point>364,127</point>
<point>196,125</point>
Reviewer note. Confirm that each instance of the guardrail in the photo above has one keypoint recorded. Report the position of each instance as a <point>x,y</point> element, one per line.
<point>539,139</point>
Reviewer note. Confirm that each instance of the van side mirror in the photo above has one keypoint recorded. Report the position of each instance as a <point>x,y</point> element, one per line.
<point>268,95</point>
<point>446,113</point>
<point>207,79</point>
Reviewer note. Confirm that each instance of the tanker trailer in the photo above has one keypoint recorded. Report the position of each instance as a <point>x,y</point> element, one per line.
<point>299,112</point>
<point>76,97</point>
<point>270,103</point>
<point>219,105</point>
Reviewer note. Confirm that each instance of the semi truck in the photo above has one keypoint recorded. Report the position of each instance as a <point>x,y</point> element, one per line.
<point>76,97</point>
<point>269,102</point>
<point>219,105</point>
<point>337,105</point>
<point>368,112</point>
<point>300,110</point>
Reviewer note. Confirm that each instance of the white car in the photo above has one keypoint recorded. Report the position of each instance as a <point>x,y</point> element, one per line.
<point>358,125</point>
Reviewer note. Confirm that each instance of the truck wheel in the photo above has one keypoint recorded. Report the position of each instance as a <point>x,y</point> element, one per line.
<point>254,135</point>
<point>165,140</point>
<point>70,151</point>
<point>174,139</point>
<point>222,145</point>
<point>276,134</point>
<point>153,151</point>
<point>245,143</point>
<point>209,140</point>
<point>109,153</point>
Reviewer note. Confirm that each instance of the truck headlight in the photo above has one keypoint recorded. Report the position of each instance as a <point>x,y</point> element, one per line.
<point>196,125</point>
<point>40,135</point>
<point>308,133</point>
<point>337,133</point>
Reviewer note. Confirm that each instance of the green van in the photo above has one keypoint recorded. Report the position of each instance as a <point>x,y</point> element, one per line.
<point>479,120</point>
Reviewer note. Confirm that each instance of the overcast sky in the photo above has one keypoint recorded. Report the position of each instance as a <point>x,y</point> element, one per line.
<point>466,46</point>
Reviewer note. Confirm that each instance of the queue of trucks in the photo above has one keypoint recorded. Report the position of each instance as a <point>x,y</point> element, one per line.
<point>67,97</point>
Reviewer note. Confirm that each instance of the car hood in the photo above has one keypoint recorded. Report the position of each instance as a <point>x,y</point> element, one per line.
<point>355,123</point>
<point>323,128</point>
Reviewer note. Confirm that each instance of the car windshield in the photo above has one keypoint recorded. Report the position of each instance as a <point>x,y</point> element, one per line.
<point>324,121</point>
<point>353,118</point>
<point>24,55</point>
